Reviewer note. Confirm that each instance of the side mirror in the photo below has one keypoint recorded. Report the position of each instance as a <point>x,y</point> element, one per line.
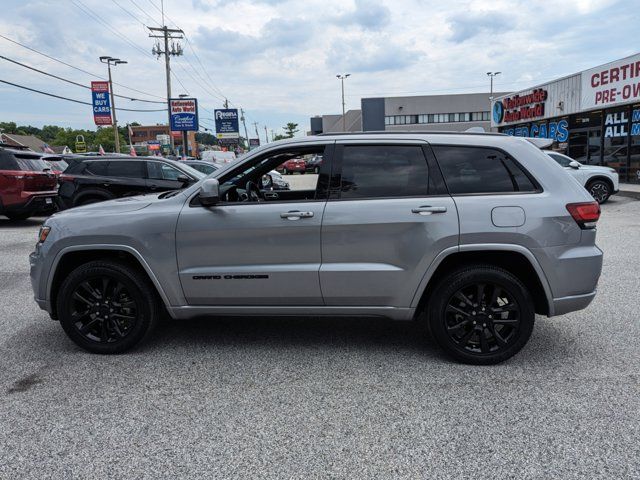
<point>184,179</point>
<point>266,182</point>
<point>574,164</point>
<point>209,192</point>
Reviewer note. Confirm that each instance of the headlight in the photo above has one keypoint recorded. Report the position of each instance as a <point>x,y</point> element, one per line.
<point>43,234</point>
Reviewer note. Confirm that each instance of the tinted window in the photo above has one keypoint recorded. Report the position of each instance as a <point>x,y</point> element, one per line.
<point>562,160</point>
<point>32,163</point>
<point>383,171</point>
<point>162,171</point>
<point>480,170</point>
<point>96,168</point>
<point>125,169</point>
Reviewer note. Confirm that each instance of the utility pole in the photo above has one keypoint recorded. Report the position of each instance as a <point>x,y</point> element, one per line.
<point>255,125</point>
<point>176,50</point>
<point>266,135</point>
<point>113,61</point>
<point>245,128</point>
<point>272,137</point>
<point>226,103</point>
<point>344,120</point>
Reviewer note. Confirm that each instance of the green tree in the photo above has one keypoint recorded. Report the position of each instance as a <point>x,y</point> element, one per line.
<point>206,138</point>
<point>104,137</point>
<point>290,129</point>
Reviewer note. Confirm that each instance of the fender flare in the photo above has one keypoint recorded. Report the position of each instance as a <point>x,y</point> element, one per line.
<point>506,247</point>
<point>105,246</point>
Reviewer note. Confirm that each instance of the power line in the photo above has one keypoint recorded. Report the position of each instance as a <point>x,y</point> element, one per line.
<point>71,81</point>
<point>76,68</point>
<point>72,99</point>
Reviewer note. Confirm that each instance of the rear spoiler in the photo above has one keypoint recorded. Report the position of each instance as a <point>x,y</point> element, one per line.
<point>540,142</point>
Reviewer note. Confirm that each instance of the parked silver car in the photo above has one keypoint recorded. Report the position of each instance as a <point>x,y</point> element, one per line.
<point>469,234</point>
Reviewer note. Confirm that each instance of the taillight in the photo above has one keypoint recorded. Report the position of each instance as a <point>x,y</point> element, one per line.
<point>585,214</point>
<point>65,178</point>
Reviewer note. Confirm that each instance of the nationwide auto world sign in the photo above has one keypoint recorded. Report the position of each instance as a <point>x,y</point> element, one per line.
<point>101,103</point>
<point>227,124</point>
<point>520,108</point>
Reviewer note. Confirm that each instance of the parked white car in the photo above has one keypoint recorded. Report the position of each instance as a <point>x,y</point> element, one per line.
<point>600,182</point>
<point>217,156</point>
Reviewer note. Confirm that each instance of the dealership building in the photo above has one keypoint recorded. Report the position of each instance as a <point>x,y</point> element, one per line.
<point>593,116</point>
<point>457,113</point>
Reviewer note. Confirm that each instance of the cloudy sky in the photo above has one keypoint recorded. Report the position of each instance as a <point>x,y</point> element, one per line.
<point>278,58</point>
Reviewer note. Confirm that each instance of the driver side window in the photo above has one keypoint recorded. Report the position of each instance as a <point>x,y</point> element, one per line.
<point>290,174</point>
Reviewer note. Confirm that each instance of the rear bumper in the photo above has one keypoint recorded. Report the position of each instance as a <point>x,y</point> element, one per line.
<point>34,202</point>
<point>572,303</point>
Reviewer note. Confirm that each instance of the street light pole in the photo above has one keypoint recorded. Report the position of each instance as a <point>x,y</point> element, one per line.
<point>344,120</point>
<point>491,75</point>
<point>113,61</point>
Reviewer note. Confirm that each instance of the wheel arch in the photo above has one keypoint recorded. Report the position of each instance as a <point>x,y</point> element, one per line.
<point>597,177</point>
<point>514,258</point>
<point>70,258</point>
<point>92,193</point>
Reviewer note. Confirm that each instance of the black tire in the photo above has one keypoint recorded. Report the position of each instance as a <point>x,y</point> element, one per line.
<point>89,196</point>
<point>130,307</point>
<point>482,328</point>
<point>17,217</point>
<point>600,190</point>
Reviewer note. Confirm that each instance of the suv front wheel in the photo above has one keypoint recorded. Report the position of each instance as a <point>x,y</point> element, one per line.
<point>480,314</point>
<point>106,306</point>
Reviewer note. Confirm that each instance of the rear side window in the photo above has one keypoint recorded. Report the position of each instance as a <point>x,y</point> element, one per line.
<point>477,170</point>
<point>560,159</point>
<point>125,169</point>
<point>96,168</point>
<point>162,171</point>
<point>383,171</point>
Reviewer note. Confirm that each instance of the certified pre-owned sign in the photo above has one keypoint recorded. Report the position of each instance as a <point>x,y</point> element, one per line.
<point>227,125</point>
<point>184,114</point>
<point>611,84</point>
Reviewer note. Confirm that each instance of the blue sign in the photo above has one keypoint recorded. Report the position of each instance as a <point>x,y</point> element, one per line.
<point>101,103</point>
<point>498,112</point>
<point>184,114</point>
<point>227,123</point>
<point>556,130</point>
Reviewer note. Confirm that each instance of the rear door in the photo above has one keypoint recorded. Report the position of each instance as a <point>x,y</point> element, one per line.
<point>387,218</point>
<point>126,177</point>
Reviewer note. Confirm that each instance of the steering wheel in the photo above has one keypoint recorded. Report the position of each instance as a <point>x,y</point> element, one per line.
<point>253,192</point>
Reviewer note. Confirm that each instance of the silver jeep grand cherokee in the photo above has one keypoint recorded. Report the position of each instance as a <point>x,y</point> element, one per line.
<point>470,234</point>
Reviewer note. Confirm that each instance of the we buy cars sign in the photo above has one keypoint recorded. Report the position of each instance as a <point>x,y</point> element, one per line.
<point>184,114</point>
<point>101,103</point>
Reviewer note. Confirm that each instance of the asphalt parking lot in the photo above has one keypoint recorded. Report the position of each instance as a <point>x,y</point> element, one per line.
<point>317,398</point>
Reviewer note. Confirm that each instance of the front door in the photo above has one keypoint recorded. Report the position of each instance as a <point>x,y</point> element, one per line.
<point>387,218</point>
<point>248,252</point>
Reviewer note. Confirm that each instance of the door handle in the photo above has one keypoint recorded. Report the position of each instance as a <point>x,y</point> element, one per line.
<point>296,215</point>
<point>153,186</point>
<point>428,210</point>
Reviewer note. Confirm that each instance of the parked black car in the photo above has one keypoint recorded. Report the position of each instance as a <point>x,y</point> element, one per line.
<point>313,164</point>
<point>95,179</point>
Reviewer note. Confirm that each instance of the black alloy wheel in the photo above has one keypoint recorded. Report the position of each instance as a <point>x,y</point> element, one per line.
<point>599,190</point>
<point>480,314</point>
<point>482,318</point>
<point>103,309</point>
<point>106,306</point>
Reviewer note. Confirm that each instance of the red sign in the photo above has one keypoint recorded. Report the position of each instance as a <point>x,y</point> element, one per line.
<point>524,107</point>
<point>101,103</point>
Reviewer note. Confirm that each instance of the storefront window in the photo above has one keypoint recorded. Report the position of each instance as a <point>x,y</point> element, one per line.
<point>585,136</point>
<point>616,137</point>
<point>634,150</point>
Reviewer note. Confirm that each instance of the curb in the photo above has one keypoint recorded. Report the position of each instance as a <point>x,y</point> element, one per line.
<point>629,194</point>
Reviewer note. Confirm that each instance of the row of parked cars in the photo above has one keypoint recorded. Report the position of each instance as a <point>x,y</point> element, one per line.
<point>34,184</point>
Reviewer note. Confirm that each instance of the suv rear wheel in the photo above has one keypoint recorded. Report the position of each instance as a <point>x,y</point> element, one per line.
<point>107,307</point>
<point>480,314</point>
<point>599,190</point>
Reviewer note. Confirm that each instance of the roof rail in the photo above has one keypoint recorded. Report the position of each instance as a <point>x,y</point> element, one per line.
<point>409,132</point>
